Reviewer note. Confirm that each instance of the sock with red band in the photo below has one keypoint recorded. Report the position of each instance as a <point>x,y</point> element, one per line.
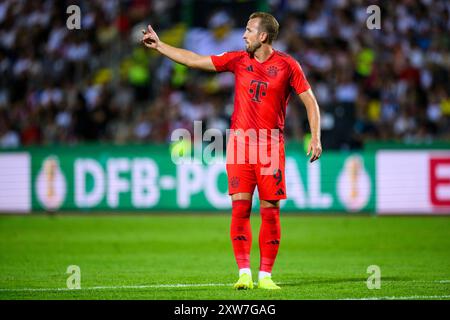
<point>241,232</point>
<point>269,238</point>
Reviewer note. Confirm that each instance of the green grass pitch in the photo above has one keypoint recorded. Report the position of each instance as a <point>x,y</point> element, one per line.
<point>177,256</point>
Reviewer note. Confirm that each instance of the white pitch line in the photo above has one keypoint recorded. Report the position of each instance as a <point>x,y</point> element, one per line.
<point>178,285</point>
<point>193,285</point>
<point>400,298</point>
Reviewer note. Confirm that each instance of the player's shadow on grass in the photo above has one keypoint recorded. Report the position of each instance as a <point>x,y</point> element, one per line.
<point>335,281</point>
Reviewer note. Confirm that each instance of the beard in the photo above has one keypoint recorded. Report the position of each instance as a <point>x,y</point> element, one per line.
<point>252,47</point>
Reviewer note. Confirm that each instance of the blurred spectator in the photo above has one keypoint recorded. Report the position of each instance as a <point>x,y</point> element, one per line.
<point>99,84</point>
<point>219,37</point>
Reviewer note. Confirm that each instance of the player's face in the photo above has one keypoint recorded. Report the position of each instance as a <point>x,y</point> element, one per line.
<point>251,36</point>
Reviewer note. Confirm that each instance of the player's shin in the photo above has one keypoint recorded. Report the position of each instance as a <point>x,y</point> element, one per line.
<point>241,233</point>
<point>269,238</point>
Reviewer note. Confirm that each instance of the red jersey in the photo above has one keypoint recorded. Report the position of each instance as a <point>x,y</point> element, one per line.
<point>262,90</point>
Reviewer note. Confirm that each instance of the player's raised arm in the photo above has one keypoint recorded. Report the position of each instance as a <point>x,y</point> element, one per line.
<point>312,109</point>
<point>186,57</point>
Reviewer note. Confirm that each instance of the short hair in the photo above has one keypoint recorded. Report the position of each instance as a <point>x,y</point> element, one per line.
<point>268,24</point>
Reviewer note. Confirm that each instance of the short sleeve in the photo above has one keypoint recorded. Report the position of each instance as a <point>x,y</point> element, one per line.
<point>298,80</point>
<point>226,61</point>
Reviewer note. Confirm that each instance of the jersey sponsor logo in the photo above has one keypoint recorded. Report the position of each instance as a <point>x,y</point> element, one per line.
<point>258,89</point>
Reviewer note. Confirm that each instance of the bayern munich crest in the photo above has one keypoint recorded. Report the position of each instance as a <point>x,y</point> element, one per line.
<point>234,182</point>
<point>272,71</point>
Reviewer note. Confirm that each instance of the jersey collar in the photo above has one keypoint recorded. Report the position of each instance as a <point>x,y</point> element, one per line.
<point>268,58</point>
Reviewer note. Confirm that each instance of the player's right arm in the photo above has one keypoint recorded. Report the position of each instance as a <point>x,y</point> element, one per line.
<point>186,57</point>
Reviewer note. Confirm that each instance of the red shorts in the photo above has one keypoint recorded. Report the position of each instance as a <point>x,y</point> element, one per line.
<point>267,175</point>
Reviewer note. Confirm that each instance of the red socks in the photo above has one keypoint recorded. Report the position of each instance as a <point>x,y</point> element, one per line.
<point>241,235</point>
<point>241,232</point>
<point>269,238</point>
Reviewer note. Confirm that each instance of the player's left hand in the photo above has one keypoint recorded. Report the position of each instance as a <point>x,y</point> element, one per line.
<point>315,149</point>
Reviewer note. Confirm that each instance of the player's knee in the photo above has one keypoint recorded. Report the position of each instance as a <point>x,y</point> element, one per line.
<point>269,203</point>
<point>270,215</point>
<point>241,208</point>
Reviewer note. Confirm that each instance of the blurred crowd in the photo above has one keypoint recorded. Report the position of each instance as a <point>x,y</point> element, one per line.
<point>99,84</point>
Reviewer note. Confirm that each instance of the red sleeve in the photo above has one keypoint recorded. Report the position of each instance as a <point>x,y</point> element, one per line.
<point>298,80</point>
<point>226,61</point>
